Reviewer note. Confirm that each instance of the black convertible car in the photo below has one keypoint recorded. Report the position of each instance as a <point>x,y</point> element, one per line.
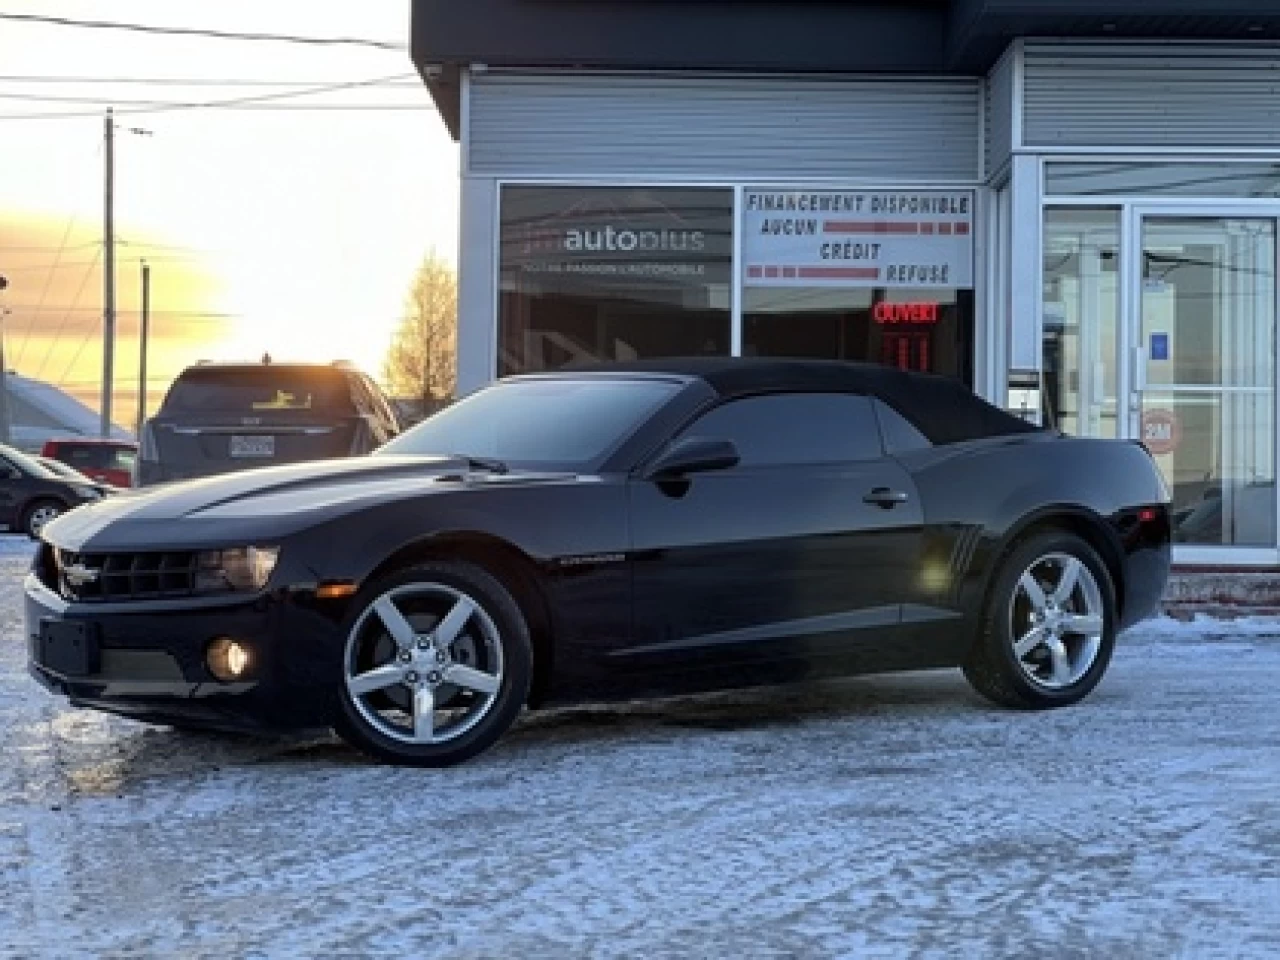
<point>588,534</point>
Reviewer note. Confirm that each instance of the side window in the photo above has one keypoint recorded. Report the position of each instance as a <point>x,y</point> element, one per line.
<point>793,429</point>
<point>900,434</point>
<point>79,456</point>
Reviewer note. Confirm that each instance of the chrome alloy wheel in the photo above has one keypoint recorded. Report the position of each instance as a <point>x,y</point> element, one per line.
<point>423,663</point>
<point>1057,620</point>
<point>41,517</point>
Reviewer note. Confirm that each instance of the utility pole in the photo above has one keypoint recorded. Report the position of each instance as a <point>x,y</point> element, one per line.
<point>109,273</point>
<point>142,356</point>
<point>4,374</point>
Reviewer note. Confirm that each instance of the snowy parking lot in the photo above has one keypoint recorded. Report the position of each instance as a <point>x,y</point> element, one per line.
<point>881,816</point>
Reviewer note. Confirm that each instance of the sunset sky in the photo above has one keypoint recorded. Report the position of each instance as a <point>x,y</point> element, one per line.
<point>285,226</point>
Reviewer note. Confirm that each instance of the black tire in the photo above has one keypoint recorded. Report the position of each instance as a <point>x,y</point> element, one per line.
<point>493,598</point>
<point>31,524</point>
<point>993,667</point>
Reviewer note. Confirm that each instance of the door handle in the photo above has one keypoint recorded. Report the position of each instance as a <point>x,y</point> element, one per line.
<point>885,498</point>
<point>1139,369</point>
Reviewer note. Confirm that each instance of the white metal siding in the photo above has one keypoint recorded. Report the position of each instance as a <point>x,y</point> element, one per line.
<point>477,297</point>
<point>1152,95</point>
<point>722,128</point>
<point>998,96</point>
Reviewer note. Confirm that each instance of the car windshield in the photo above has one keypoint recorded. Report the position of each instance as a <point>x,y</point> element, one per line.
<point>28,465</point>
<point>60,468</point>
<point>257,390</point>
<point>94,456</point>
<point>551,423</point>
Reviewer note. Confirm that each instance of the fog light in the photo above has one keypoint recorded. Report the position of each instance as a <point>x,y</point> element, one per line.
<point>228,659</point>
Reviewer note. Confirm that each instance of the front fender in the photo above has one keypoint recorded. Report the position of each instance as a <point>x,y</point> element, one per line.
<point>544,522</point>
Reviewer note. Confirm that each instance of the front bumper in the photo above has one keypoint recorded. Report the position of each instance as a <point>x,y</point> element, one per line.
<point>151,663</point>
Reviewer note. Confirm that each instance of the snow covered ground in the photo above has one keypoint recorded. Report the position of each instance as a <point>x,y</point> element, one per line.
<point>878,817</point>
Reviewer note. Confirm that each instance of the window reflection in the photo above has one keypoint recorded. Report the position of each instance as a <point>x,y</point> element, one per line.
<point>1208,402</point>
<point>601,274</point>
<point>1081,310</point>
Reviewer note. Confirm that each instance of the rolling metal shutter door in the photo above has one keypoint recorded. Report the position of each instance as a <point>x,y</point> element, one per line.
<point>720,128</point>
<point>1152,95</point>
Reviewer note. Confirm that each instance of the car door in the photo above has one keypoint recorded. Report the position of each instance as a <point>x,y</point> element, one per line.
<point>12,481</point>
<point>806,547</point>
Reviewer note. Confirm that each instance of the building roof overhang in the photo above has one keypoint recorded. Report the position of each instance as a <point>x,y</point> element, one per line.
<point>959,37</point>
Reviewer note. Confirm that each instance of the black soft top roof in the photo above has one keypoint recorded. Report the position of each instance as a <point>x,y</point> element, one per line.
<point>941,408</point>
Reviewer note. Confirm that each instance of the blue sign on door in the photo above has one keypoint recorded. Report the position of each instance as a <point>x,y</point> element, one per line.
<point>1159,346</point>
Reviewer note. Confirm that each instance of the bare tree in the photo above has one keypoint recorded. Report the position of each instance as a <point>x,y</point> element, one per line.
<point>422,360</point>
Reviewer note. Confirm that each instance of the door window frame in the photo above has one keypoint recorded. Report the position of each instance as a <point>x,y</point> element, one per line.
<point>1132,210</point>
<point>881,447</point>
<point>1132,353</point>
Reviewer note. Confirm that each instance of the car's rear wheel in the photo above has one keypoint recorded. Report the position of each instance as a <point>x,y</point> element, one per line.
<point>39,515</point>
<point>1048,631</point>
<point>436,667</point>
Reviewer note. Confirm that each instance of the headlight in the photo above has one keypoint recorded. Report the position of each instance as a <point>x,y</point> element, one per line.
<point>87,493</point>
<point>244,569</point>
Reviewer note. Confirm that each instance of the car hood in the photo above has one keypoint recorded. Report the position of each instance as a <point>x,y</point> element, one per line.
<point>265,504</point>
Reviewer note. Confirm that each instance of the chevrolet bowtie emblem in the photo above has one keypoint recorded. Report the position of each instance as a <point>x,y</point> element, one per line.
<point>78,574</point>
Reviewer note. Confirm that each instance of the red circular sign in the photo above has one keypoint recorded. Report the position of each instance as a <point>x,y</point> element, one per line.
<point>1161,431</point>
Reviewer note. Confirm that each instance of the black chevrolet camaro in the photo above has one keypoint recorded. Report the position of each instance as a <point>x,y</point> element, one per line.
<point>646,529</point>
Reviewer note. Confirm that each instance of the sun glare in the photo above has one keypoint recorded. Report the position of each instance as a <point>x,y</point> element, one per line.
<point>289,232</point>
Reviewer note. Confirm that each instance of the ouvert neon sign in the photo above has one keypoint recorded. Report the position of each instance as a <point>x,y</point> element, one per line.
<point>892,314</point>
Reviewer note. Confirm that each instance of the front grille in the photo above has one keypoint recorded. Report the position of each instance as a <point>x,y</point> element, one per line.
<point>126,576</point>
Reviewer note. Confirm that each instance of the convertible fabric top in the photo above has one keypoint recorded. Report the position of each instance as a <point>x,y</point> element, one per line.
<point>941,408</point>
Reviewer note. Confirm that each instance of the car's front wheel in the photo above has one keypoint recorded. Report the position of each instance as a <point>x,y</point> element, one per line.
<point>39,515</point>
<point>1049,627</point>
<point>436,667</point>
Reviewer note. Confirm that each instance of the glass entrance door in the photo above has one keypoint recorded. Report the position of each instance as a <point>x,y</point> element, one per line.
<point>1202,386</point>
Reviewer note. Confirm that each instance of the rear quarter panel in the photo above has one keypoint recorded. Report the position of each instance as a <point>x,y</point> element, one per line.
<point>979,496</point>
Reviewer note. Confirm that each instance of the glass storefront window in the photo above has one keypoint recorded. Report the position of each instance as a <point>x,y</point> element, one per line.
<point>603,274</point>
<point>926,329</point>
<point>876,276</point>
<point>1156,179</point>
<point>1207,391</point>
<point>1081,313</point>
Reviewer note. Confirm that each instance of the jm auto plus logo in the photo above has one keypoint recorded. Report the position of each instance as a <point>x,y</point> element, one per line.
<point>604,229</point>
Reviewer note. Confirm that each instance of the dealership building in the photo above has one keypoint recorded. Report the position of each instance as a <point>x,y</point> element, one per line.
<point>1070,206</point>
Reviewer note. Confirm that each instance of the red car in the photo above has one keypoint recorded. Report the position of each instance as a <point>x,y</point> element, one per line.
<point>107,461</point>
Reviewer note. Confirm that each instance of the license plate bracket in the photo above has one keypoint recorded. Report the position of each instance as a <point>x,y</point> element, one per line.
<point>243,445</point>
<point>69,647</point>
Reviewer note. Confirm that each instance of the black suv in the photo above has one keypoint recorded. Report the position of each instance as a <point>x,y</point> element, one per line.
<point>222,417</point>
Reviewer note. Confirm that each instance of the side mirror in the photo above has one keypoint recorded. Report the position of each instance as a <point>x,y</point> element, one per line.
<point>693,455</point>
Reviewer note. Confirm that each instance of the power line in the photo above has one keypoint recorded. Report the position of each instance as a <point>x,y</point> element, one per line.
<point>84,342</point>
<point>182,81</point>
<point>44,292</point>
<point>66,316</point>
<point>210,34</point>
<point>236,102</point>
<point>212,315</point>
<point>62,248</point>
<point>49,246</point>
<point>67,264</point>
<point>33,267</point>
<point>279,108</point>
<point>185,105</point>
